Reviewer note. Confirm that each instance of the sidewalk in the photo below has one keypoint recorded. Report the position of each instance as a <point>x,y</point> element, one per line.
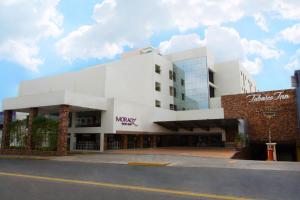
<point>181,161</point>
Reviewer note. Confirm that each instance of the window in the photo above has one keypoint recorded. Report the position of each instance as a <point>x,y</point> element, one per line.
<point>183,108</point>
<point>157,103</point>
<point>157,69</point>
<point>171,107</point>
<point>157,86</point>
<point>175,92</point>
<point>211,91</point>
<point>70,119</point>
<point>182,82</point>
<point>88,119</point>
<point>182,96</point>
<point>174,76</point>
<point>211,76</point>
<point>171,91</point>
<point>170,75</point>
<point>175,107</point>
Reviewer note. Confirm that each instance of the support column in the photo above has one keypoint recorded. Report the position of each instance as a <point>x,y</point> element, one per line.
<point>153,141</point>
<point>72,141</point>
<point>5,133</point>
<point>32,114</point>
<point>140,141</point>
<point>102,142</point>
<point>124,141</point>
<point>62,142</point>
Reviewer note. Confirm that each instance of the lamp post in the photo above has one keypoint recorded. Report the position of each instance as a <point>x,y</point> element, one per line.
<point>271,146</point>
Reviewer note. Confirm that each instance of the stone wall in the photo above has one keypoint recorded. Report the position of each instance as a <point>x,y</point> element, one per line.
<point>283,126</point>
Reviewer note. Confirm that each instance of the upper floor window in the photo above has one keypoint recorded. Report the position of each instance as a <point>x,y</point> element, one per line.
<point>174,76</point>
<point>157,86</point>
<point>175,107</point>
<point>182,82</point>
<point>174,92</point>
<point>171,107</point>
<point>211,76</point>
<point>183,96</point>
<point>157,103</point>
<point>170,75</point>
<point>171,89</point>
<point>157,69</point>
<point>88,119</point>
<point>211,91</point>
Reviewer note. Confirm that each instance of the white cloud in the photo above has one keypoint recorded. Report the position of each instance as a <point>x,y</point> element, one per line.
<point>254,67</point>
<point>291,66</point>
<point>226,44</point>
<point>292,34</point>
<point>260,20</point>
<point>23,24</point>
<point>181,43</point>
<point>118,24</point>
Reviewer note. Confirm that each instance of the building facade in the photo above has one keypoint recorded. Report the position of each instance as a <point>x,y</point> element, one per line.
<point>142,100</point>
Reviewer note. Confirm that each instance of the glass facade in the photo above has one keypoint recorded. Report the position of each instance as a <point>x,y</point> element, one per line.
<point>192,83</point>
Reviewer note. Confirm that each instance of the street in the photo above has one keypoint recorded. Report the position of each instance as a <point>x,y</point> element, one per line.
<point>45,179</point>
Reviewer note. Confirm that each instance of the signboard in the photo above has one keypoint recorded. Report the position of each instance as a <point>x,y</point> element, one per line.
<point>126,121</point>
<point>277,96</point>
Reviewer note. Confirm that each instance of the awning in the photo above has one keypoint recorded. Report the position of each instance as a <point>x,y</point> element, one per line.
<point>204,124</point>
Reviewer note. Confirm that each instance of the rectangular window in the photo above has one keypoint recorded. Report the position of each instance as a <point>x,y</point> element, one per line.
<point>171,91</point>
<point>171,107</point>
<point>170,75</point>
<point>157,86</point>
<point>88,119</point>
<point>182,96</point>
<point>174,76</point>
<point>211,91</point>
<point>211,76</point>
<point>157,69</point>
<point>182,82</point>
<point>157,103</point>
<point>70,119</point>
<point>175,92</point>
<point>175,107</point>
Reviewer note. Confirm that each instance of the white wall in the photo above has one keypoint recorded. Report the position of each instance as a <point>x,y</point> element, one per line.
<point>89,81</point>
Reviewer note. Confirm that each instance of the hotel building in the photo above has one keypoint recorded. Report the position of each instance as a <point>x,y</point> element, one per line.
<point>142,100</point>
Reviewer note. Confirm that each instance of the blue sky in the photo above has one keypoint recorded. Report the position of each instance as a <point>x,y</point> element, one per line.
<point>46,37</point>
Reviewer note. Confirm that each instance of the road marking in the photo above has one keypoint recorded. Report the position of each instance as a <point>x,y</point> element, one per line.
<point>154,164</point>
<point>126,187</point>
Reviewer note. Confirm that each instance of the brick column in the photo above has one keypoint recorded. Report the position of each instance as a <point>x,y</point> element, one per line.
<point>298,150</point>
<point>32,114</point>
<point>5,134</point>
<point>63,130</point>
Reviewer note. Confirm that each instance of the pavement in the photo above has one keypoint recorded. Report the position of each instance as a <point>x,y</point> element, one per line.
<point>37,179</point>
<point>179,161</point>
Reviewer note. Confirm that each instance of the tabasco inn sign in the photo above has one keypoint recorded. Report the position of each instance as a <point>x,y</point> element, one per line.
<point>277,96</point>
<point>126,121</point>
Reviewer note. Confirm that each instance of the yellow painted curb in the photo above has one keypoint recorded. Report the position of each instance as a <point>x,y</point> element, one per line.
<point>126,187</point>
<point>147,164</point>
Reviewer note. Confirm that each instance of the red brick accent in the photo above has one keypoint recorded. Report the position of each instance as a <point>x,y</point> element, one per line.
<point>5,134</point>
<point>63,130</point>
<point>283,126</point>
<point>32,114</point>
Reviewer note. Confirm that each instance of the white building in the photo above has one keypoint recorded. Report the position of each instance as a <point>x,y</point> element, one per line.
<point>142,100</point>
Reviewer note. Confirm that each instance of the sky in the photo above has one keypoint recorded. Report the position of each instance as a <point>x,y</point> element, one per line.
<point>46,37</point>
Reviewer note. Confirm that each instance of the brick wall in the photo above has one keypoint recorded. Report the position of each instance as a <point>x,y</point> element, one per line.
<point>283,126</point>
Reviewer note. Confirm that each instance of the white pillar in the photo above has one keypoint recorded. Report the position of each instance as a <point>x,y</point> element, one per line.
<point>101,142</point>
<point>72,141</point>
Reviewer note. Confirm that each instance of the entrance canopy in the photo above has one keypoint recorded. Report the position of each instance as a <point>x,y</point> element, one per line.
<point>204,124</point>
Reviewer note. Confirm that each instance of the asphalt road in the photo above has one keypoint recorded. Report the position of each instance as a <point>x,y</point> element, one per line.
<point>44,179</point>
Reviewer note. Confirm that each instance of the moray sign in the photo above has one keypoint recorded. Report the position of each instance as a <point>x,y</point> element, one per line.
<point>126,121</point>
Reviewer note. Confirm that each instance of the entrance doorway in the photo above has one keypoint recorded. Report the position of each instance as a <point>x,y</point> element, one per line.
<point>87,141</point>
